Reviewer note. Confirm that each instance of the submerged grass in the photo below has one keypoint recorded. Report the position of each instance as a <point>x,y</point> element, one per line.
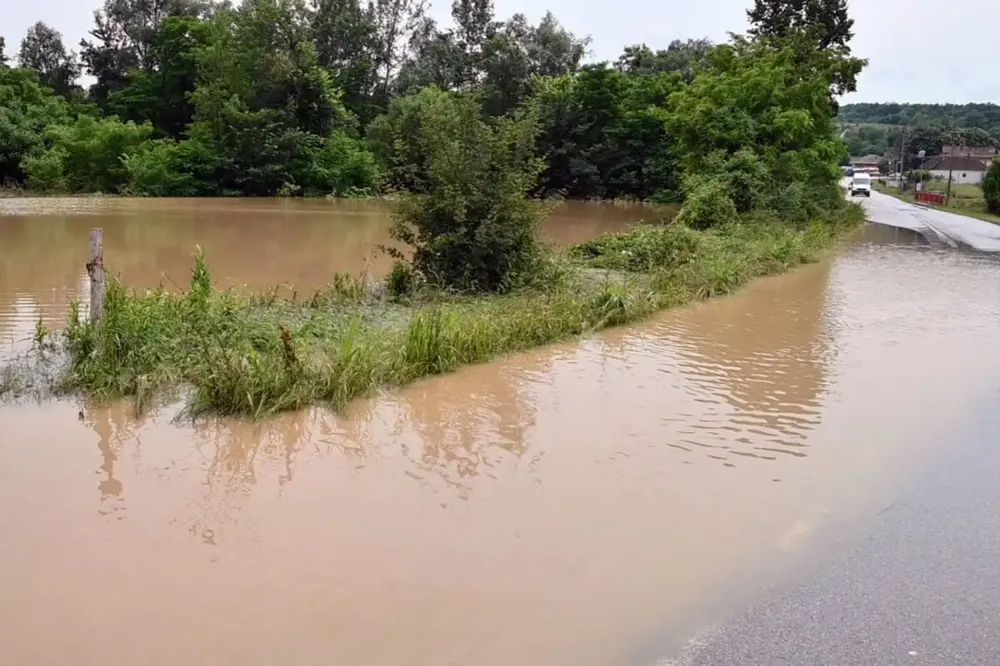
<point>257,354</point>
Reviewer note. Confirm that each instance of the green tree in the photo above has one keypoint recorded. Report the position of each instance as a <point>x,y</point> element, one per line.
<point>124,39</point>
<point>554,50</point>
<point>683,57</point>
<point>991,188</point>
<point>982,116</point>
<point>808,26</point>
<point>474,24</point>
<point>268,111</point>
<point>162,95</point>
<point>42,50</point>
<point>825,21</point>
<point>26,109</point>
<point>4,60</point>
<point>602,134</point>
<point>167,168</point>
<point>396,24</point>
<point>500,67</point>
<point>518,53</point>
<point>344,34</point>
<point>436,60</point>
<point>397,141</point>
<point>758,120</point>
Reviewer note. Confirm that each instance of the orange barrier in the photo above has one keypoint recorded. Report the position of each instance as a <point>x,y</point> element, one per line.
<point>931,198</point>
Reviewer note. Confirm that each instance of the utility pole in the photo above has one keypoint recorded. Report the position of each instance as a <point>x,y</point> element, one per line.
<point>902,157</point>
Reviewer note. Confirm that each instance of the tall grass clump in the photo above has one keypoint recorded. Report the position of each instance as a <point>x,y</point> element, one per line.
<point>644,248</point>
<point>472,228</point>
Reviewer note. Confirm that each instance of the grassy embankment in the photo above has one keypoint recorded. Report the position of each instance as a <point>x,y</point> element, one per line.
<point>257,354</point>
<point>966,199</point>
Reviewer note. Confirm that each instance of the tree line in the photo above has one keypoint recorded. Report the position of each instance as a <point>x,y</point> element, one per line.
<point>946,116</point>
<point>346,97</point>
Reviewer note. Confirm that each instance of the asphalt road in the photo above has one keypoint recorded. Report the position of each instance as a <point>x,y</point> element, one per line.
<point>949,228</point>
<point>921,588</point>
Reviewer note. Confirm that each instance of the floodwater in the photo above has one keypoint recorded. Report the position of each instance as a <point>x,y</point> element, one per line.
<point>572,505</point>
<point>260,243</point>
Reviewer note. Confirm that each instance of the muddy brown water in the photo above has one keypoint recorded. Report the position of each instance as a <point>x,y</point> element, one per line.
<point>570,505</point>
<point>260,243</point>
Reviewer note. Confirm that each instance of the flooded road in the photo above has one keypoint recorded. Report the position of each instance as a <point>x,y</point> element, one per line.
<point>260,243</point>
<point>578,504</point>
<point>943,226</point>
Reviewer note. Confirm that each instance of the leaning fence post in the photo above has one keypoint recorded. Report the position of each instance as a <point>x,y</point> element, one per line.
<point>95,269</point>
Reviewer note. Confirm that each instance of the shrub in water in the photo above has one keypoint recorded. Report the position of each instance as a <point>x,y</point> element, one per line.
<point>644,248</point>
<point>474,230</point>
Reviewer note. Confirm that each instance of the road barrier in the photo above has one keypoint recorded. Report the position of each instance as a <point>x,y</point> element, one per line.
<point>931,198</point>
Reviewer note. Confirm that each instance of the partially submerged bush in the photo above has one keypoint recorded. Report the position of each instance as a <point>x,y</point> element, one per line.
<point>475,229</point>
<point>644,248</point>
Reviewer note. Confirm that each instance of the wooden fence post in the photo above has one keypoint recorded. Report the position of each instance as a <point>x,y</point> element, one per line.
<point>95,269</point>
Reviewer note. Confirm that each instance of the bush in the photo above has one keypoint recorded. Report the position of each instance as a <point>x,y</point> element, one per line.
<point>166,168</point>
<point>45,171</point>
<point>708,204</point>
<point>401,280</point>
<point>395,137</point>
<point>991,188</point>
<point>26,108</point>
<point>90,153</point>
<point>644,248</point>
<point>344,167</point>
<point>748,179</point>
<point>475,230</point>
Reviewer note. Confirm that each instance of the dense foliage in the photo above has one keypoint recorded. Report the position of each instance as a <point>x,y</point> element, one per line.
<point>282,97</point>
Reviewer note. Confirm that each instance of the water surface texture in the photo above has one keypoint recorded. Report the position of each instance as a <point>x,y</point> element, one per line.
<point>570,505</point>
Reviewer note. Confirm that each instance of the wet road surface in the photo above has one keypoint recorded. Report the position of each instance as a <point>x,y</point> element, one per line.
<point>949,228</point>
<point>922,589</point>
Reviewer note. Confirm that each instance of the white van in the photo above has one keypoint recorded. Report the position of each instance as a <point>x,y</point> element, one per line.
<point>861,184</point>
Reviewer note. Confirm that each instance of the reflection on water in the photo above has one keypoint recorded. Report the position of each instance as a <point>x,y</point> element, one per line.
<point>256,242</point>
<point>756,365</point>
<point>566,505</point>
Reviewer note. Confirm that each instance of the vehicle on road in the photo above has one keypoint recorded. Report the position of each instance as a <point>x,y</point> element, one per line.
<point>861,184</point>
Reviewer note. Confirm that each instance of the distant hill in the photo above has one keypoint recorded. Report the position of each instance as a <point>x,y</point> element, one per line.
<point>981,116</point>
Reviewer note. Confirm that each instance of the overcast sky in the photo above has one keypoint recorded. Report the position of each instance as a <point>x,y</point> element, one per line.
<point>919,50</point>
